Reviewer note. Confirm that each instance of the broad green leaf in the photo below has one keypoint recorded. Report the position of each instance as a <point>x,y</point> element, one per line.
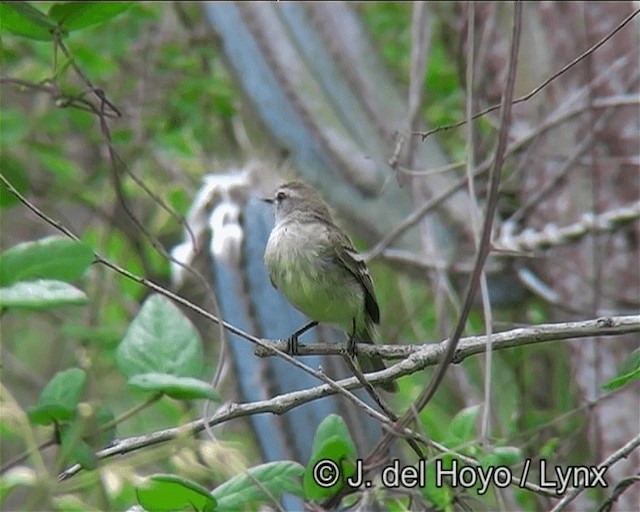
<point>463,425</point>
<point>54,257</point>
<point>263,483</point>
<point>180,388</point>
<point>41,294</point>
<point>25,20</point>
<point>328,468</point>
<point>160,340</point>
<point>332,426</point>
<point>77,15</point>
<point>15,174</point>
<point>169,492</point>
<point>59,398</point>
<point>629,371</point>
<point>333,454</point>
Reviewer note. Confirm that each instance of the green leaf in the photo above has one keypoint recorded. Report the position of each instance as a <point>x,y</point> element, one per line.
<point>180,388</point>
<point>549,448</point>
<point>463,425</point>
<point>264,483</point>
<point>332,426</point>
<point>501,456</point>
<point>441,496</point>
<point>331,465</point>
<point>55,257</point>
<point>59,398</point>
<point>82,435</point>
<point>41,294</point>
<point>629,371</point>
<point>76,450</point>
<point>160,340</point>
<point>14,173</point>
<point>96,437</point>
<point>78,15</point>
<point>25,20</point>
<point>83,454</point>
<point>333,456</point>
<point>169,492</point>
<point>397,503</point>
<point>507,455</point>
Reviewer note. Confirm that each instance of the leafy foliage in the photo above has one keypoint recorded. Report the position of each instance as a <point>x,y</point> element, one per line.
<point>333,457</point>
<point>180,388</point>
<point>49,258</point>
<point>169,492</point>
<point>260,484</point>
<point>59,399</point>
<point>160,339</point>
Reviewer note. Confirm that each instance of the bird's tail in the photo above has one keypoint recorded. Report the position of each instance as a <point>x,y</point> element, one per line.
<point>373,364</point>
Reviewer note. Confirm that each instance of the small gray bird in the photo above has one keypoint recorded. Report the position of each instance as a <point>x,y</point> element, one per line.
<point>314,264</point>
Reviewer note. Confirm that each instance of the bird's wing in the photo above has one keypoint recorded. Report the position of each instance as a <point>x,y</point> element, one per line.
<point>353,261</point>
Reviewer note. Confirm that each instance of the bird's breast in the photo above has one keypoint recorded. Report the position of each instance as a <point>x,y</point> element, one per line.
<point>293,252</point>
<point>303,266</point>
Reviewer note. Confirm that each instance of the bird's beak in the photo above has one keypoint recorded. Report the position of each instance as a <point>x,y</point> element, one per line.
<point>267,200</point>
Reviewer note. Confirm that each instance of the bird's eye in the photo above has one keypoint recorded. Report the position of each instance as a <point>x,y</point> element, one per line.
<point>281,195</point>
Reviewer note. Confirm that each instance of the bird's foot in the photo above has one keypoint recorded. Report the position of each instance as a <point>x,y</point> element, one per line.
<point>352,342</point>
<point>352,346</point>
<point>293,344</point>
<point>292,341</point>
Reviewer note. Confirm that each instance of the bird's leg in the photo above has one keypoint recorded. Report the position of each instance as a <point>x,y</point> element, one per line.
<point>292,341</point>
<point>351,342</point>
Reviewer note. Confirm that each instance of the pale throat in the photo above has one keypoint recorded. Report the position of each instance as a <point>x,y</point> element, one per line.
<point>294,247</point>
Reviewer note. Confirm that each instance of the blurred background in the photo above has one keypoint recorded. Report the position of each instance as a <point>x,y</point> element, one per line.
<point>221,102</point>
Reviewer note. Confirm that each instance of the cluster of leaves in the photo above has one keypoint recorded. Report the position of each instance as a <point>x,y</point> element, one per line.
<point>161,354</point>
<point>176,105</point>
<point>54,156</point>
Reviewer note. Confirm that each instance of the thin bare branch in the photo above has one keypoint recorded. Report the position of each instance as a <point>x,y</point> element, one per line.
<point>484,245</point>
<point>417,357</point>
<point>620,454</point>
<point>429,354</point>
